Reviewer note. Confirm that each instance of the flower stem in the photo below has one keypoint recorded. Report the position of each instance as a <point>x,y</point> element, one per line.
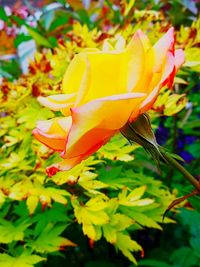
<point>181,169</point>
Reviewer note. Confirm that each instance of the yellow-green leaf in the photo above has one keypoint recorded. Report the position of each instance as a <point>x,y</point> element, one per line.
<point>32,202</point>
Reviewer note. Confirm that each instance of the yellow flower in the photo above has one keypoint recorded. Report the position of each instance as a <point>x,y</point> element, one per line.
<point>103,90</point>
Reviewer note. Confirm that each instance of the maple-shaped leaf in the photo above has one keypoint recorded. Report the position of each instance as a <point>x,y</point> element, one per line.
<point>81,176</point>
<point>127,245</point>
<point>36,192</point>
<point>169,103</point>
<point>115,178</point>
<point>81,172</point>
<point>121,221</point>
<point>89,183</point>
<point>118,149</point>
<point>143,219</point>
<point>21,261</point>
<point>193,58</point>
<point>50,240</point>
<point>12,231</point>
<point>32,113</point>
<point>90,214</point>
<point>117,223</point>
<point>134,197</point>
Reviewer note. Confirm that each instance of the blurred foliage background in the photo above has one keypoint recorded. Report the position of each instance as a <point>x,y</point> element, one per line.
<point>108,210</point>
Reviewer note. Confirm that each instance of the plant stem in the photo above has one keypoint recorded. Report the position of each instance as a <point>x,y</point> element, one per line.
<point>181,169</point>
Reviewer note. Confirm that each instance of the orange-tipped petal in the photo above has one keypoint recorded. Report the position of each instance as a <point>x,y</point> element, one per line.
<point>98,120</point>
<point>54,142</point>
<point>161,49</point>
<point>160,61</point>
<point>172,65</point>
<point>53,133</point>
<point>169,70</point>
<point>86,146</point>
<point>159,66</point>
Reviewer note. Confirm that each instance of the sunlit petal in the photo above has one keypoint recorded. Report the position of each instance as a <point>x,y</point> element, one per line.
<point>53,133</point>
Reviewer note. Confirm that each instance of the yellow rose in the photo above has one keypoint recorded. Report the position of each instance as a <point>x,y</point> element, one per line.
<point>103,90</point>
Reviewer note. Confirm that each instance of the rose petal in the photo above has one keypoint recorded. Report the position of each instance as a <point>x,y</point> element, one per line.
<point>120,44</point>
<point>179,58</point>
<point>159,65</point>
<point>145,40</point>
<point>53,133</point>
<point>62,102</point>
<point>161,49</point>
<point>169,70</point>
<point>75,73</point>
<point>105,116</point>
<point>85,147</point>
<point>149,101</point>
<point>134,61</point>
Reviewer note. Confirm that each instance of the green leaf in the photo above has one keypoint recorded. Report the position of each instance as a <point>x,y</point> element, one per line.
<point>20,38</point>
<point>133,198</point>
<point>129,7</point>
<point>118,222</point>
<point>127,245</point>
<point>40,40</point>
<point>18,20</point>
<point>61,18</point>
<point>50,240</point>
<point>115,178</point>
<point>32,202</point>
<point>33,113</point>
<point>36,191</point>
<point>118,149</point>
<point>110,233</point>
<point>195,201</point>
<point>10,69</point>
<point>121,221</point>
<point>3,15</point>
<point>88,182</point>
<point>10,231</point>
<point>91,214</point>
<point>83,16</point>
<point>143,219</point>
<point>21,261</point>
<point>192,58</point>
<point>2,198</point>
<point>184,256</point>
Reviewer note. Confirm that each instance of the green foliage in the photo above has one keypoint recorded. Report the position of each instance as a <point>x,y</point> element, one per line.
<point>21,261</point>
<point>116,198</point>
<point>9,69</point>
<point>40,40</point>
<point>92,194</point>
<point>12,231</point>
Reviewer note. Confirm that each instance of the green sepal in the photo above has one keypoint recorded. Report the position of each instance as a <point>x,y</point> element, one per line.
<point>140,131</point>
